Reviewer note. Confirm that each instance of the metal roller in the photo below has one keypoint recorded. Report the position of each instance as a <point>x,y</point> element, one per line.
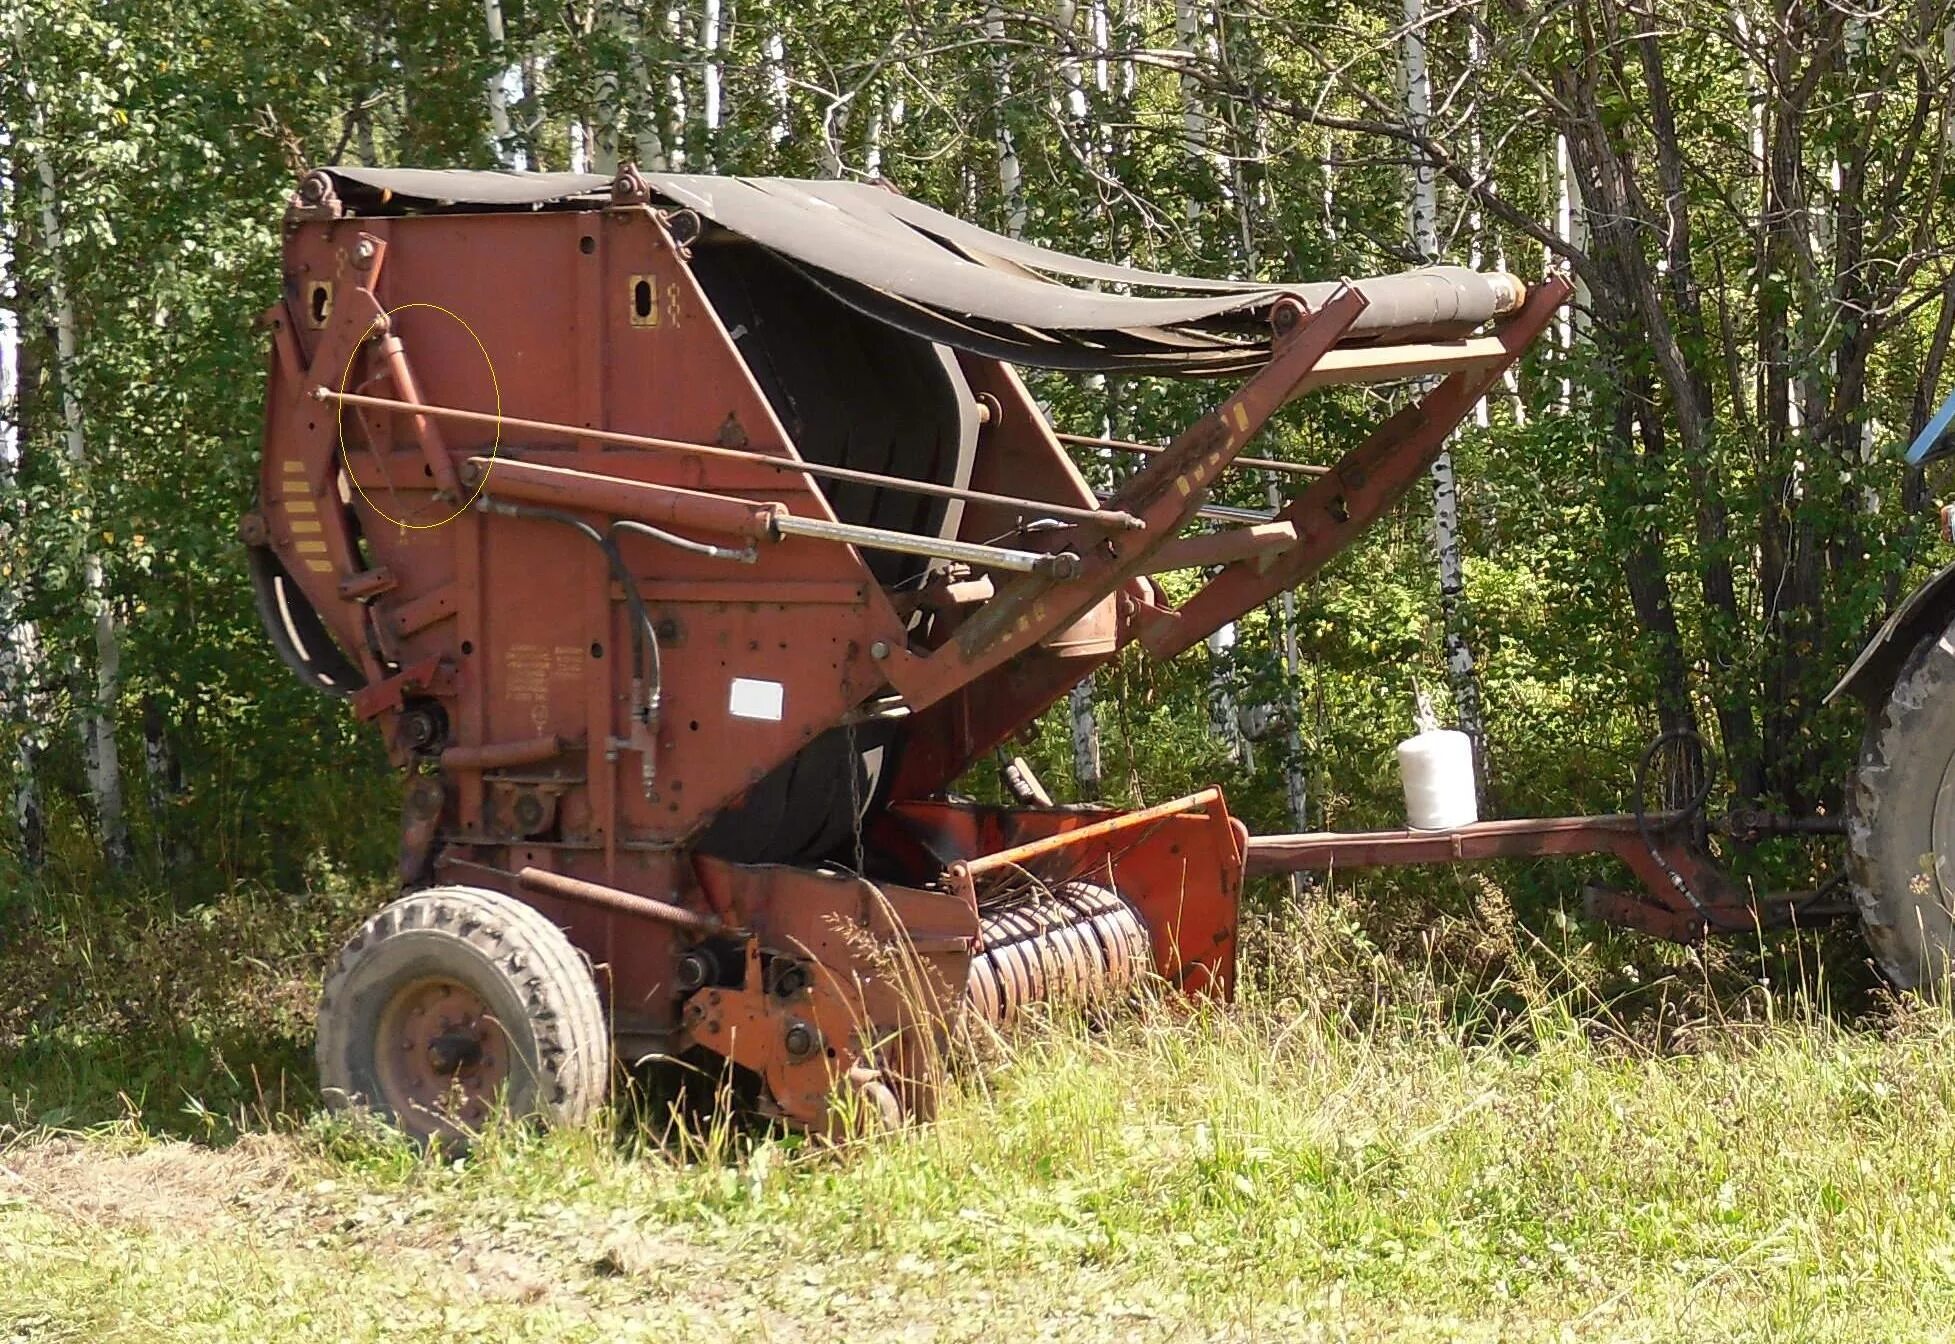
<point>1078,944</point>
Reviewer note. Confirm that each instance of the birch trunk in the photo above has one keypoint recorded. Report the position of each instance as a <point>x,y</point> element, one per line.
<point>776,56</point>
<point>709,78</point>
<point>675,94</point>
<point>1476,223</point>
<point>1010,174</point>
<point>1224,717</point>
<point>1422,219</point>
<point>19,639</point>
<point>649,132</point>
<point>1295,782</point>
<point>1083,718</point>
<point>498,90</point>
<point>98,722</point>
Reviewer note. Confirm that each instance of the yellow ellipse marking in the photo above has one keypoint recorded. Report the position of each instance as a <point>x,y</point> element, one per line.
<point>340,416</point>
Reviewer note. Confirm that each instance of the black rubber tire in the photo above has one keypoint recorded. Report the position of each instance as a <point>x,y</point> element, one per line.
<point>538,985</point>
<point>1904,885</point>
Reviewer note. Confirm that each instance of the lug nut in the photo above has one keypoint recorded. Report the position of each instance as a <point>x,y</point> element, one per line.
<point>800,1040</point>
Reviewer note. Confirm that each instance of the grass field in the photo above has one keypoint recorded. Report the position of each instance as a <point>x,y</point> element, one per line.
<point>1473,1136</point>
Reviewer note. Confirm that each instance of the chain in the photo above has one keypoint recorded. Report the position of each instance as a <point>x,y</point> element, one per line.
<point>855,794</point>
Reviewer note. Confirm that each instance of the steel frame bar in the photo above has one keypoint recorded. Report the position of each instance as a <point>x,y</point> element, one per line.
<point>671,506</point>
<point>1526,837</point>
<point>1685,896</point>
<point>426,433</point>
<point>1155,450</point>
<point>625,902</point>
<point>1112,519</point>
<point>644,501</point>
<point>1363,486</point>
<point>1223,546</point>
<point>1025,853</point>
<point>1059,564</point>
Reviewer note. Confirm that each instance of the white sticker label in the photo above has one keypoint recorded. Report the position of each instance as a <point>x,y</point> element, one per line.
<point>751,699</point>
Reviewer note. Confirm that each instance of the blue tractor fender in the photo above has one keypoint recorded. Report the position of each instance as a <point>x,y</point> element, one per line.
<point>1927,610</point>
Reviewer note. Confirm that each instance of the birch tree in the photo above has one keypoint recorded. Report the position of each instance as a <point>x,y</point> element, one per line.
<point>497,89</point>
<point>20,674</point>
<point>1422,216</point>
<point>98,720</point>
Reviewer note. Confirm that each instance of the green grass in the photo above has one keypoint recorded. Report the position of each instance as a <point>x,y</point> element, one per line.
<point>1481,1137</point>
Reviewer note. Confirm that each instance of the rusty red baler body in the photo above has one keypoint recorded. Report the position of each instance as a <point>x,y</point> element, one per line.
<point>688,538</point>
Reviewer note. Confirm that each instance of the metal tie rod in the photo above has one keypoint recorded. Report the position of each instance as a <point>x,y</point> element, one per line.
<point>1229,513</point>
<point>1155,450</point>
<point>1057,564</point>
<point>1111,518</point>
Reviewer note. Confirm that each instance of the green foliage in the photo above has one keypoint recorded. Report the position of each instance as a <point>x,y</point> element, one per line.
<point>1268,146</point>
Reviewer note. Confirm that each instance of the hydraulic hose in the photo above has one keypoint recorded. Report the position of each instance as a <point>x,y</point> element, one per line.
<point>648,673</point>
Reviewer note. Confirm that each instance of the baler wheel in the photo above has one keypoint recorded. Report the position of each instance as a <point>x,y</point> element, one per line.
<point>454,1004</point>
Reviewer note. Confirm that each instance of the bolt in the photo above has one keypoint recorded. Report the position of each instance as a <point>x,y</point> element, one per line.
<point>879,650</point>
<point>694,970</point>
<point>790,978</point>
<point>800,1040</point>
<point>363,253</point>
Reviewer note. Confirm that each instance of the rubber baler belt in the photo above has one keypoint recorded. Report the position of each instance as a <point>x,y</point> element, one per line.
<point>1079,944</point>
<point>951,282</point>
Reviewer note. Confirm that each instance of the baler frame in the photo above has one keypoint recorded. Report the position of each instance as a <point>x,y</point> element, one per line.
<point>706,546</point>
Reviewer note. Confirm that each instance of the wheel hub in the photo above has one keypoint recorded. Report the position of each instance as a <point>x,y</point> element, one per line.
<point>442,1056</point>
<point>455,1051</point>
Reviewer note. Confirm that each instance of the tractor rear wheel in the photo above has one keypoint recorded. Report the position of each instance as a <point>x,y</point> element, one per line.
<point>1901,819</point>
<point>455,1004</point>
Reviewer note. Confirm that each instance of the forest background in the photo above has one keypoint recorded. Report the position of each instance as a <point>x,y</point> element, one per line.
<point>1685,512</point>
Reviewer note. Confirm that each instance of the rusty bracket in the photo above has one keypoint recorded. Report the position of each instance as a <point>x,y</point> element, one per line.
<point>431,676</point>
<point>629,187</point>
<point>314,199</point>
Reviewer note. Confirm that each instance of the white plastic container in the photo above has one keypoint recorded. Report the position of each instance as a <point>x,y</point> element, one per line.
<point>1437,767</point>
